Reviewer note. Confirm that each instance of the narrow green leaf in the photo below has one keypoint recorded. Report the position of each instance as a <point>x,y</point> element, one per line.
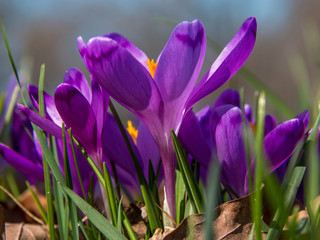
<point>10,56</point>
<point>212,202</point>
<point>99,221</point>
<point>257,211</point>
<point>128,227</point>
<point>76,164</point>
<point>83,229</point>
<point>180,197</point>
<point>290,194</point>
<point>112,202</point>
<point>68,177</point>
<point>190,182</point>
<point>119,214</point>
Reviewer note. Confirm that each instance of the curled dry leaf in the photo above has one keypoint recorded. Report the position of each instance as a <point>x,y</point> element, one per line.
<point>233,222</point>
<point>26,231</point>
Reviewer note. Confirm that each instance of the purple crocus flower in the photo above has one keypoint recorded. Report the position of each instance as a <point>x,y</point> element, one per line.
<point>280,141</point>
<point>82,109</point>
<point>161,93</point>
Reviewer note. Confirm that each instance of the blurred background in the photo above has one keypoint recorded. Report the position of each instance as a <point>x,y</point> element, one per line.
<point>286,56</point>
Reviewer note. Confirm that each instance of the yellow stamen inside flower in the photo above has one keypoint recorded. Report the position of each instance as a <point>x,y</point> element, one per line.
<point>132,131</point>
<point>152,66</point>
<point>253,128</point>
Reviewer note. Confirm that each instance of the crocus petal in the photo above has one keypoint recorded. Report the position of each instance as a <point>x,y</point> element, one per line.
<point>228,96</point>
<point>228,63</point>
<point>192,139</point>
<point>280,143</point>
<point>21,163</point>
<point>148,149</point>
<point>180,61</point>
<point>269,124</point>
<point>78,115</point>
<point>217,113</point>
<point>119,73</point>
<point>99,106</point>
<point>125,43</point>
<point>231,150</point>
<point>115,148</point>
<point>75,78</point>
<point>248,113</point>
<point>50,107</point>
<point>203,117</point>
<point>42,122</point>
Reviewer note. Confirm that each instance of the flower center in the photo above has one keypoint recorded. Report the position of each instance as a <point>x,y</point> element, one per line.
<point>152,66</point>
<point>132,131</point>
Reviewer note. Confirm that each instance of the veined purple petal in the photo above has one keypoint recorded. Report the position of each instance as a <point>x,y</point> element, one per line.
<point>180,62</point>
<point>42,122</point>
<point>281,142</point>
<point>228,63</point>
<point>191,137</point>
<point>99,105</point>
<point>148,149</point>
<point>78,115</point>
<point>74,77</point>
<point>21,163</point>
<point>125,43</point>
<point>217,113</point>
<point>231,150</point>
<point>228,96</point>
<point>119,73</point>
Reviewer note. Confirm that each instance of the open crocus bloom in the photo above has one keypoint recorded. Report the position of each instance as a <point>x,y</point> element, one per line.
<point>161,93</point>
<point>226,126</point>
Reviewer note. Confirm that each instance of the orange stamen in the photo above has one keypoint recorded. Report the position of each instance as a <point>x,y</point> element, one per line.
<point>152,66</point>
<point>132,131</point>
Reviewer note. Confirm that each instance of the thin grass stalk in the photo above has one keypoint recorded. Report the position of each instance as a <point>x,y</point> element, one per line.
<point>153,212</point>
<point>76,164</point>
<point>69,184</point>
<point>112,202</point>
<point>257,211</point>
<point>187,174</point>
<point>212,196</point>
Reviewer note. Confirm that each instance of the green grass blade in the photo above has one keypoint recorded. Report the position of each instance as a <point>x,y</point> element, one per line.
<point>290,194</point>
<point>91,163</point>
<point>83,229</point>
<point>153,211</point>
<point>190,182</point>
<point>257,211</point>
<point>99,221</point>
<point>112,202</point>
<point>119,214</point>
<point>180,197</point>
<point>10,56</point>
<point>68,178</point>
<point>76,164</point>
<point>212,198</point>
<point>128,227</point>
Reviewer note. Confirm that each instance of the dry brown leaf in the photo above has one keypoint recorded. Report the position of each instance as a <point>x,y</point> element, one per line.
<point>15,231</point>
<point>27,201</point>
<point>136,214</point>
<point>233,222</point>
